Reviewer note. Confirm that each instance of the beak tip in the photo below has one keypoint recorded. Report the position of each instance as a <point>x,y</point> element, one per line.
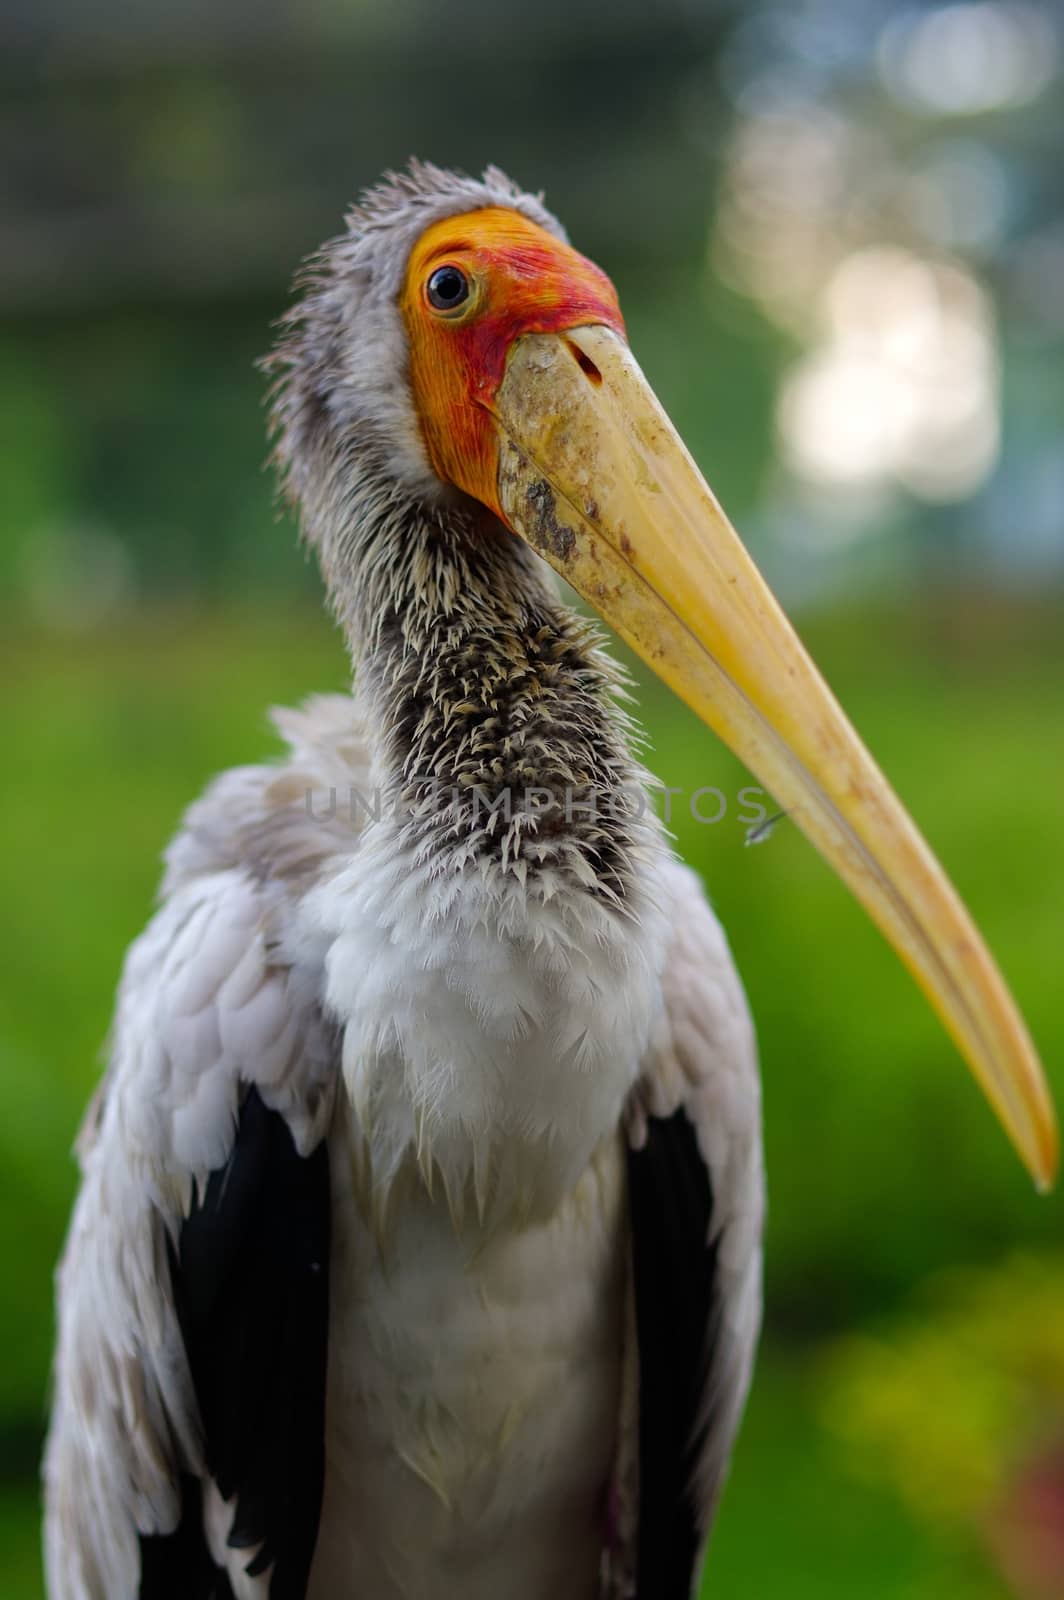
<point>1049,1171</point>
<point>1042,1158</point>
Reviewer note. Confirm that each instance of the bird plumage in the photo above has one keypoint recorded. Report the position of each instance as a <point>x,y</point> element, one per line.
<point>482,1031</point>
<point>214,1000</point>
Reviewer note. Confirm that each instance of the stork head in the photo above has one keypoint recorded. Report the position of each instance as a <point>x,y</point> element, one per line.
<point>455,346</point>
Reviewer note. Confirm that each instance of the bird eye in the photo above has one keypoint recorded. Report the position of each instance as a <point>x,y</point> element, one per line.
<point>448,288</point>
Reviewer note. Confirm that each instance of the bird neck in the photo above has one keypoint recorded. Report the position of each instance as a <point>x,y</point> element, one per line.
<point>493,708</point>
<point>499,931</point>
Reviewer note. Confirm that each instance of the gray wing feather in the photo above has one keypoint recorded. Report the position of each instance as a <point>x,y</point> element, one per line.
<point>220,992</point>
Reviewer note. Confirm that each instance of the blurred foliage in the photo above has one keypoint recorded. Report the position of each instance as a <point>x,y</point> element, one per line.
<point>960,1408</point>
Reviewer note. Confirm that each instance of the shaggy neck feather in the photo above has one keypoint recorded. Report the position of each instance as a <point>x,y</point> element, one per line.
<point>493,708</point>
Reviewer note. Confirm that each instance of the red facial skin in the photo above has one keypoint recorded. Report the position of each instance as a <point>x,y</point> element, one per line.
<point>523,281</point>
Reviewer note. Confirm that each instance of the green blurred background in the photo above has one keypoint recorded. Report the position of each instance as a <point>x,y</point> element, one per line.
<point>838,232</point>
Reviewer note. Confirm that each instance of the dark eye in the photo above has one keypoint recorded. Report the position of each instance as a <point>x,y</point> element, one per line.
<point>448,288</point>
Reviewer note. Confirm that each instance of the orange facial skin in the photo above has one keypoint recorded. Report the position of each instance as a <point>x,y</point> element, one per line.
<point>523,280</point>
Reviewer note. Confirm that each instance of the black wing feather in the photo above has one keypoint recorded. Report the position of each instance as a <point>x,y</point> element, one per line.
<point>251,1287</point>
<point>674,1263</point>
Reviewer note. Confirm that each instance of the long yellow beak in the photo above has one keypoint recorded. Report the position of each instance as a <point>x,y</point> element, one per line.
<point>594,476</point>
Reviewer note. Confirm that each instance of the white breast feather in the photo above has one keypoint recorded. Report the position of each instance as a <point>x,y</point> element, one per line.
<point>484,1018</point>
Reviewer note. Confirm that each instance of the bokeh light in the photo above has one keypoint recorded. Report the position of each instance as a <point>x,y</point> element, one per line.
<point>903,386</point>
<point>960,60</point>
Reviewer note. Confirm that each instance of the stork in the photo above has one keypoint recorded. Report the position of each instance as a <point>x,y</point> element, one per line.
<point>418,1244</point>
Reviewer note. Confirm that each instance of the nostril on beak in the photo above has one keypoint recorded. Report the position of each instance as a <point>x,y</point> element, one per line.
<point>585,363</point>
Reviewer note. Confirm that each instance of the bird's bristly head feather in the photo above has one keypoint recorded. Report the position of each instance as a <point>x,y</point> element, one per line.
<point>341,365</point>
